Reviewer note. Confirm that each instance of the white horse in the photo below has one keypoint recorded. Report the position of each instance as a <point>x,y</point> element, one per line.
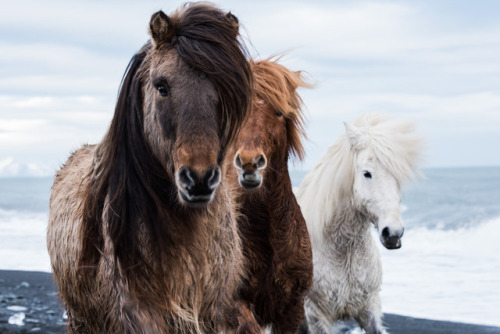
<point>356,183</point>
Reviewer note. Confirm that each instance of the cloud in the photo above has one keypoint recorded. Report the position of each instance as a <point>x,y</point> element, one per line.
<point>39,132</point>
<point>11,168</point>
<point>380,46</point>
<point>432,62</point>
<point>462,127</point>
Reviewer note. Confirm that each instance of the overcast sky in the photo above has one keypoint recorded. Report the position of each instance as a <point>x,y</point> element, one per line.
<point>434,62</point>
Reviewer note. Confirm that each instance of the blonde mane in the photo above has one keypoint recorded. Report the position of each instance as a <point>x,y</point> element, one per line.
<point>393,142</point>
<point>329,185</point>
<point>277,86</point>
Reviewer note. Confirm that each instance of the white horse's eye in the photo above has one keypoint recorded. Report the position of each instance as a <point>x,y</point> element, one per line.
<point>367,174</point>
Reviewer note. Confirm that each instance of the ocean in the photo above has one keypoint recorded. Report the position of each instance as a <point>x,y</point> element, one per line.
<point>447,269</point>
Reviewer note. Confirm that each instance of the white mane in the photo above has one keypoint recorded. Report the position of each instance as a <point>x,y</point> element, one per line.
<point>328,186</point>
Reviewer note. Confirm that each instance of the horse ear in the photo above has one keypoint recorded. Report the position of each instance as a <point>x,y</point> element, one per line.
<point>234,20</point>
<point>159,28</point>
<point>354,136</point>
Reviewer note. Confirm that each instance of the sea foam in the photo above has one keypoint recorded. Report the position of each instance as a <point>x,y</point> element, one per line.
<point>22,241</point>
<point>445,274</point>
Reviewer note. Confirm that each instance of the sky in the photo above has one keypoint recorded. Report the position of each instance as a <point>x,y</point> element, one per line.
<point>436,63</point>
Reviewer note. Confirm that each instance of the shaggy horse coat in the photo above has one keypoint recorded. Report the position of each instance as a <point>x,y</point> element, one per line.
<point>142,231</point>
<point>356,183</point>
<point>274,233</point>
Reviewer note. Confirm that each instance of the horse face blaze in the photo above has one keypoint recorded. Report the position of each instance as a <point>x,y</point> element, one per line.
<point>379,195</point>
<point>263,131</point>
<point>185,116</point>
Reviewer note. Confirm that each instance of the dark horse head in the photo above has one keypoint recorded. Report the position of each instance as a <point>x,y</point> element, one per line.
<point>181,104</point>
<point>275,125</point>
<point>195,85</point>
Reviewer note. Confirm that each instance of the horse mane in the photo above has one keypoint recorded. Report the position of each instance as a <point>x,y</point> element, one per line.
<point>127,185</point>
<point>393,142</point>
<point>277,85</point>
<point>129,193</point>
<point>208,40</point>
<point>329,185</point>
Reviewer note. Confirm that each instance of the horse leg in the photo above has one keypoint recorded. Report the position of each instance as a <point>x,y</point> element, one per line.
<point>313,322</point>
<point>316,325</point>
<point>371,319</point>
<point>304,327</point>
<point>290,321</point>
<point>242,320</point>
<point>77,327</point>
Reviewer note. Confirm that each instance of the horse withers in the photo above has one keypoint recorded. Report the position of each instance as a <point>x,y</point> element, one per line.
<point>142,230</point>
<point>356,184</point>
<point>274,234</point>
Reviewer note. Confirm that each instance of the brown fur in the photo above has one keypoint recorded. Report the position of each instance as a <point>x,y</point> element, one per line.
<point>128,254</point>
<point>274,233</point>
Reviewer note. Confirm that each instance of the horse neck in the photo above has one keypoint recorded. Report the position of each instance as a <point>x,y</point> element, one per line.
<point>274,202</point>
<point>349,226</point>
<point>326,192</point>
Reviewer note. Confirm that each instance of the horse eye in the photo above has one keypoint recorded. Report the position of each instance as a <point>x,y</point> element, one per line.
<point>367,174</point>
<point>279,114</point>
<point>162,89</point>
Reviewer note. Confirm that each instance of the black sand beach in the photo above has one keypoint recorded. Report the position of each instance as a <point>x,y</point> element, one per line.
<point>34,295</point>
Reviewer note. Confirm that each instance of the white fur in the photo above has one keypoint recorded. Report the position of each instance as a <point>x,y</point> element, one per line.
<point>339,202</point>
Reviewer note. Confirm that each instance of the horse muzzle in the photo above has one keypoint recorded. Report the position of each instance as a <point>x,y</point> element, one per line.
<point>391,238</point>
<point>250,169</point>
<point>197,189</point>
<point>250,180</point>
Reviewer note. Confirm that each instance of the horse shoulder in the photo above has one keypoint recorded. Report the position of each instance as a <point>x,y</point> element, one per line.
<point>65,199</point>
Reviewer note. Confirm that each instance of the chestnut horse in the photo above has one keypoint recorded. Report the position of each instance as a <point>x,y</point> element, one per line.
<point>142,230</point>
<point>274,233</point>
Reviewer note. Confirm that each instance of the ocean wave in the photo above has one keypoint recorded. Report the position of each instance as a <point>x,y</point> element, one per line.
<point>13,222</point>
<point>439,273</point>
<point>445,274</point>
<point>482,236</point>
<point>22,241</point>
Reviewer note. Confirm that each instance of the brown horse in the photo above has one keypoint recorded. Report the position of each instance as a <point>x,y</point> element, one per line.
<point>142,230</point>
<point>274,233</point>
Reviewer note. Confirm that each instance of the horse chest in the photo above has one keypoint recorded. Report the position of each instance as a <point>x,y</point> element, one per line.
<point>351,272</point>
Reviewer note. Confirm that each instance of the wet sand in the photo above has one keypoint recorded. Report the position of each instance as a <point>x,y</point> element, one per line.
<point>29,304</point>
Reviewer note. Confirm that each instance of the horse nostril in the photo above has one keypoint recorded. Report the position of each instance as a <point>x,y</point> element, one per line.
<point>385,232</point>
<point>237,161</point>
<point>213,177</point>
<point>261,161</point>
<point>186,178</point>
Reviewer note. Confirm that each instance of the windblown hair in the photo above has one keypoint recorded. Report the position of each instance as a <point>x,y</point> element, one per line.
<point>207,40</point>
<point>273,231</point>
<point>393,142</point>
<point>277,85</point>
<point>130,193</point>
